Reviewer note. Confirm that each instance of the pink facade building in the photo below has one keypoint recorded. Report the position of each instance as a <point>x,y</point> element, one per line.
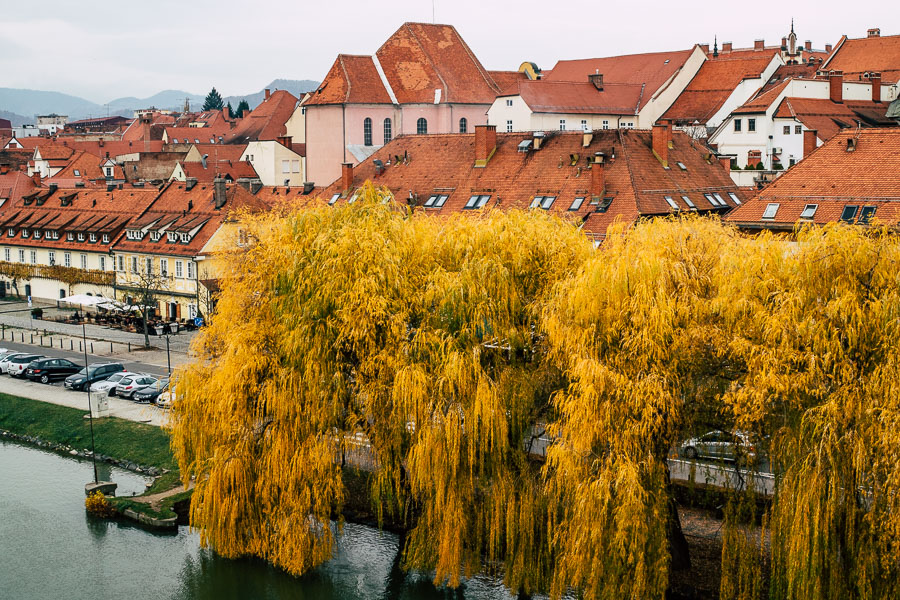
<point>424,79</point>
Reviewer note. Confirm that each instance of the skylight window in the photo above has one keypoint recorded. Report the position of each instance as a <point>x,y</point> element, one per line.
<point>77,173</point>
<point>710,199</point>
<point>865,217</point>
<point>477,201</point>
<point>672,203</point>
<point>721,201</point>
<point>681,166</point>
<point>576,204</point>
<point>771,211</point>
<point>334,199</point>
<point>809,211</point>
<point>353,198</point>
<point>734,198</point>
<point>436,200</point>
<point>689,203</point>
<point>604,206</point>
<point>849,213</point>
<point>544,202</point>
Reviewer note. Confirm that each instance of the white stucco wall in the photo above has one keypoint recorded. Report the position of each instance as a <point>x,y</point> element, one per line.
<point>267,158</point>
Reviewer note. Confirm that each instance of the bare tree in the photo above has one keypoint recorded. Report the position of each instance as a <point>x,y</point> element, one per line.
<point>144,288</point>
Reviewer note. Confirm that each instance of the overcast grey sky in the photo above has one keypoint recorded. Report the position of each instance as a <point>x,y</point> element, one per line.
<point>105,50</point>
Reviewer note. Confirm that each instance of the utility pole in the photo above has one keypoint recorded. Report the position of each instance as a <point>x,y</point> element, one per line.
<point>87,388</point>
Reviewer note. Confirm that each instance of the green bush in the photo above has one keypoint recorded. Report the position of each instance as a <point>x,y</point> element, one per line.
<point>37,313</point>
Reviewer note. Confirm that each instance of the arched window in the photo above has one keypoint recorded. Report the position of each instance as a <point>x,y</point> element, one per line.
<point>388,133</point>
<point>367,132</point>
<point>463,125</point>
<point>421,126</point>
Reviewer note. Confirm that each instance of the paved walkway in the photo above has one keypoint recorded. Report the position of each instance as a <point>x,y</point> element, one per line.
<point>118,407</point>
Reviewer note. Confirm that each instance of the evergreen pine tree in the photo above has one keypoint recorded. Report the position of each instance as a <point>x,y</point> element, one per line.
<point>213,100</point>
<point>243,106</point>
<point>230,112</point>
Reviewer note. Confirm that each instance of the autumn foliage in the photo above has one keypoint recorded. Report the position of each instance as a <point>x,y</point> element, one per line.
<point>452,345</point>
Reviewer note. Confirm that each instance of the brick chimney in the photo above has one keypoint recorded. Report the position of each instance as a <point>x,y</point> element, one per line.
<point>346,176</point>
<point>874,32</point>
<point>4,169</point>
<point>598,177</point>
<point>875,80</point>
<point>36,178</point>
<point>808,45</point>
<point>828,48</point>
<point>836,83</point>
<point>705,48</point>
<point>268,93</point>
<point>485,144</point>
<point>725,161</point>
<point>759,44</point>
<point>660,143</point>
<point>285,140</point>
<point>219,191</point>
<point>809,141</point>
<point>784,43</point>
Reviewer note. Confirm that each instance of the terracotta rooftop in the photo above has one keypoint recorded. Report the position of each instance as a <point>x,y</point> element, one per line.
<point>266,121</point>
<point>832,178</point>
<point>233,169</point>
<point>636,183</point>
<point>581,97</point>
<point>857,56</point>
<point>84,165</point>
<point>416,60</point>
<point>785,72</point>
<point>13,186</point>
<point>651,69</point>
<point>763,100</point>
<point>828,117</point>
<point>715,82</point>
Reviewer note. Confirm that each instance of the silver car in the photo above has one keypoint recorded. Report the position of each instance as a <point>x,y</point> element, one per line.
<point>127,386</point>
<point>108,386</point>
<point>719,445</point>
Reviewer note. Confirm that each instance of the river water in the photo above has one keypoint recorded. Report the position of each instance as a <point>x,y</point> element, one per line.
<point>51,549</point>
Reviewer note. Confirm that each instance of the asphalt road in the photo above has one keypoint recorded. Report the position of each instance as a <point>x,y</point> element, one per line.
<point>78,357</point>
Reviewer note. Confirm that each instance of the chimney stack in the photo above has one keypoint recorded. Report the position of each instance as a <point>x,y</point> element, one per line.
<point>874,32</point>
<point>4,169</point>
<point>219,191</point>
<point>759,44</point>
<point>875,80</point>
<point>828,48</point>
<point>725,161</point>
<point>784,43</point>
<point>346,176</point>
<point>726,46</point>
<point>268,93</point>
<point>705,48</point>
<point>809,141</point>
<point>808,45</point>
<point>537,139</point>
<point>598,177</point>
<point>285,140</point>
<point>836,83</point>
<point>36,178</point>
<point>189,183</point>
<point>660,143</point>
<point>485,144</point>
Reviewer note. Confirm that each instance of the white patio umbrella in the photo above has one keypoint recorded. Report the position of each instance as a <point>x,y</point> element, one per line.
<point>84,300</point>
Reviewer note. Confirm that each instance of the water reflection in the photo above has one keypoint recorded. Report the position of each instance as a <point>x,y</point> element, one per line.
<point>52,549</point>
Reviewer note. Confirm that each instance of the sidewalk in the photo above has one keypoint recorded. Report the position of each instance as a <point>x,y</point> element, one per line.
<point>118,407</point>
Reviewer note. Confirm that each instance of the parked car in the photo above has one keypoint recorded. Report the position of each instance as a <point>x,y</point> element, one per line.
<point>47,369</point>
<point>108,385</point>
<point>166,399</point>
<point>152,391</point>
<point>20,362</point>
<point>127,386</point>
<point>5,358</point>
<point>92,375</point>
<point>719,445</point>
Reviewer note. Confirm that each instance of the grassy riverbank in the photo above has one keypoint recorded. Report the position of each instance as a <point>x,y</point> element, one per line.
<point>139,443</point>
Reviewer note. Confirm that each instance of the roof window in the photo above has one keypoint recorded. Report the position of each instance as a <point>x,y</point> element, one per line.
<point>171,236</point>
<point>734,198</point>
<point>544,202</point>
<point>77,173</point>
<point>720,200</point>
<point>809,211</point>
<point>477,201</point>
<point>334,199</point>
<point>672,203</point>
<point>436,200</point>
<point>866,215</point>
<point>771,211</point>
<point>710,199</point>
<point>576,204</point>
<point>681,166</point>
<point>689,202</point>
<point>604,206</point>
<point>849,213</point>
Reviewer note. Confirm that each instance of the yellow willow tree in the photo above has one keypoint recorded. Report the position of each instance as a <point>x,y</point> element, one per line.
<point>817,323</point>
<point>417,334</point>
<point>641,342</point>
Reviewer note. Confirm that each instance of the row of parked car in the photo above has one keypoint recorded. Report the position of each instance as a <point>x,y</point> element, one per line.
<point>109,378</point>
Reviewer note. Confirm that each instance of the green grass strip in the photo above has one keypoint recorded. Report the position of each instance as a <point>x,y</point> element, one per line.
<point>139,443</point>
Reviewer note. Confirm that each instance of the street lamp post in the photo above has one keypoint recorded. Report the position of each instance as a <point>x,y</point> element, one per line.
<point>87,387</point>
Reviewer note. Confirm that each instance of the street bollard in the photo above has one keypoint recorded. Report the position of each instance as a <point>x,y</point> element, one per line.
<point>110,347</point>
<point>129,346</point>
<point>92,347</point>
<point>70,344</point>
<point>79,346</point>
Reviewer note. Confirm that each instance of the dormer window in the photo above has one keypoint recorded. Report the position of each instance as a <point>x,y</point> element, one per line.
<point>80,237</point>
<point>25,234</point>
<point>55,234</point>
<point>185,238</point>
<point>154,236</point>
<point>105,238</point>
<point>92,237</point>
<point>171,236</point>
<point>37,234</point>
<point>11,232</point>
<point>70,237</point>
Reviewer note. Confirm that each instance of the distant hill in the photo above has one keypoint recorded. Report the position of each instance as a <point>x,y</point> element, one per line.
<point>15,119</point>
<point>25,104</point>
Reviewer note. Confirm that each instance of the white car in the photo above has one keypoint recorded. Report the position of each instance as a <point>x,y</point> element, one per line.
<point>720,445</point>
<point>4,360</point>
<point>108,386</point>
<point>17,364</point>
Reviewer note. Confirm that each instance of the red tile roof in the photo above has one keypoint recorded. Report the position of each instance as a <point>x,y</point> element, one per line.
<point>88,167</point>
<point>714,83</point>
<point>219,152</point>
<point>651,69</point>
<point>857,56</point>
<point>416,60</point>
<point>828,117</point>
<point>266,121</point>
<point>13,186</point>
<point>194,135</point>
<point>507,81</point>
<point>763,100</point>
<point>580,98</point>
<point>635,179</point>
<point>116,148</point>
<point>785,72</point>
<point>832,178</point>
<point>233,169</point>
